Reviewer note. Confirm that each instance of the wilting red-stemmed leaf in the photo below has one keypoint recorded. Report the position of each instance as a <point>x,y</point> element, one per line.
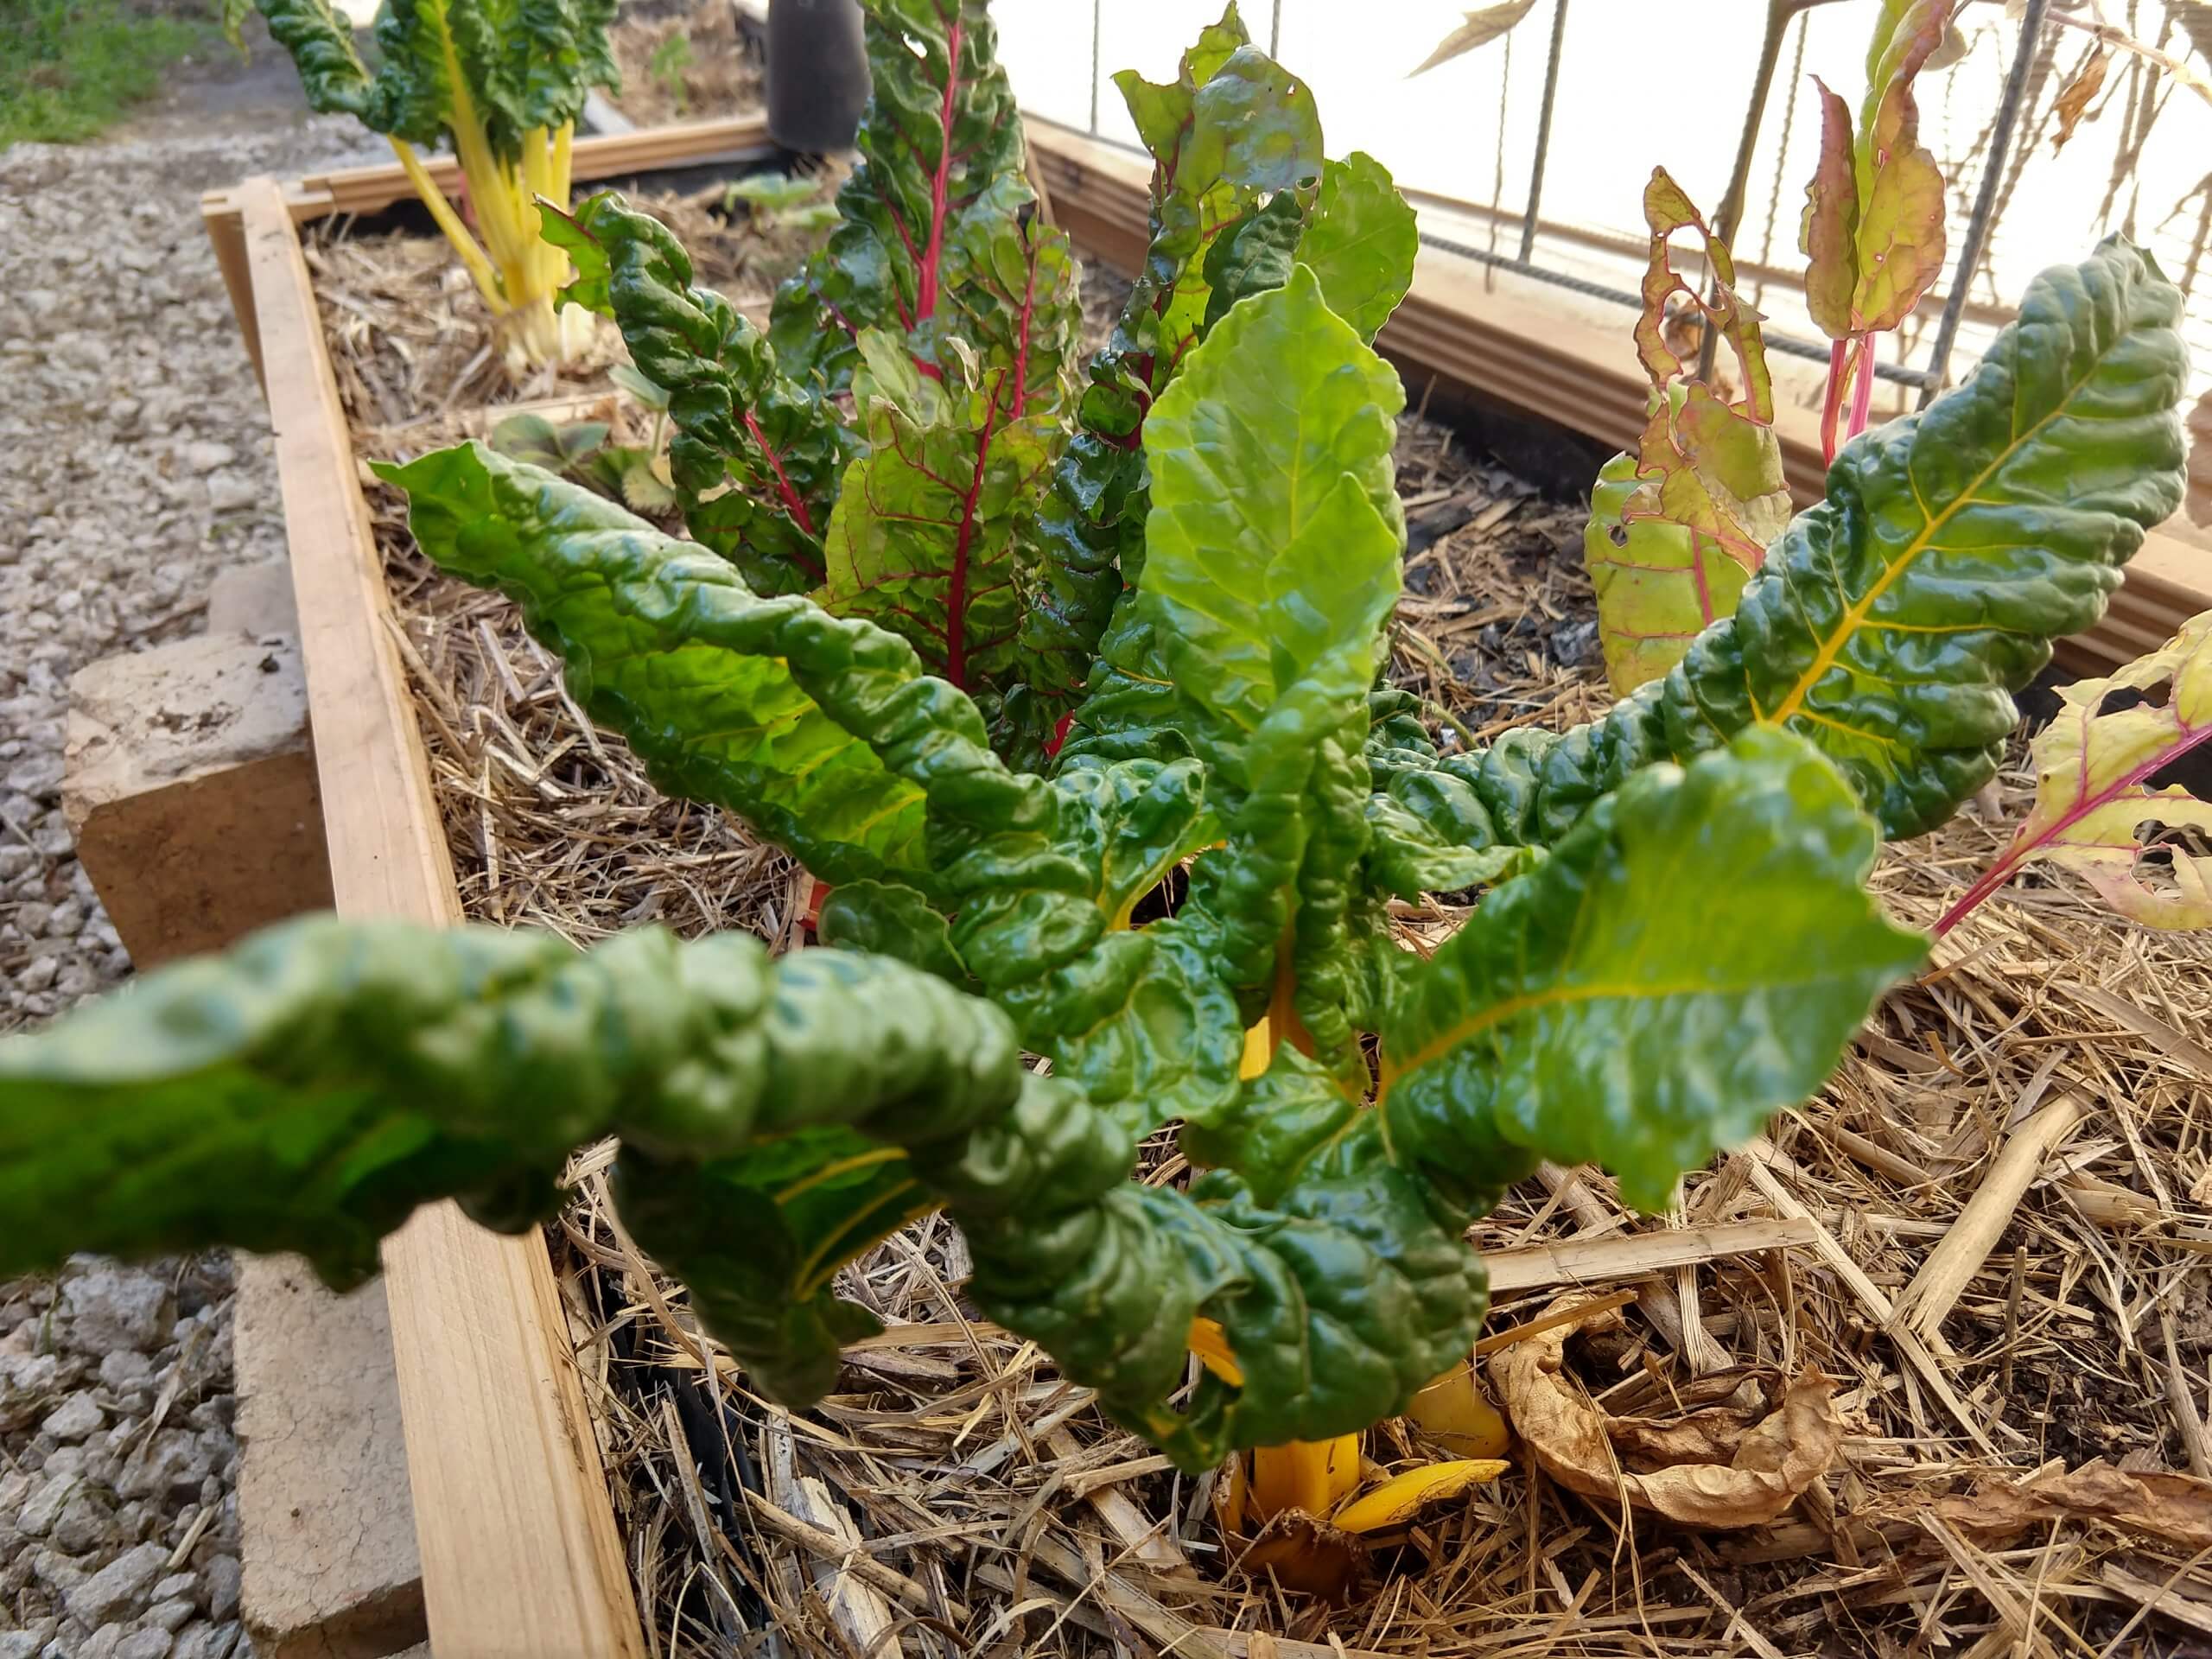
<point>1873,222</point>
<point>1674,531</point>
<point>2094,789</point>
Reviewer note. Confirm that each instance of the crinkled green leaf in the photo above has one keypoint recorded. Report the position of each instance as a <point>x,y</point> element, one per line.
<point>1141,1017</point>
<point>886,919</point>
<point>757,461</point>
<point>940,148</point>
<point>523,64</point>
<point>320,41</point>
<point>746,703</point>
<point>1691,959</point>
<point>757,1240</point>
<point>307,1090</point>
<point>1892,623</point>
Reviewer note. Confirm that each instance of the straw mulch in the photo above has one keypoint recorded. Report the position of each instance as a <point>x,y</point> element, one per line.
<point>1988,1229</point>
<point>683,61</point>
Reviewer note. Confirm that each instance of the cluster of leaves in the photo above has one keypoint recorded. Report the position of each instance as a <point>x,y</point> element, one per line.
<point>500,82</point>
<point>1676,940</point>
<point>907,441</point>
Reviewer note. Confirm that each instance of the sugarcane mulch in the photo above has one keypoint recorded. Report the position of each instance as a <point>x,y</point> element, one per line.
<point>1989,1231</point>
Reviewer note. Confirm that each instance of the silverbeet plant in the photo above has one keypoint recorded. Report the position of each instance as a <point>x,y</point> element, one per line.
<point>1673,938</point>
<point>501,80</point>
<point>909,441</point>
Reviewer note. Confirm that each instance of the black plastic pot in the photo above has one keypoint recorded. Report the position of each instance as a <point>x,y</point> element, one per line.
<point>817,72</point>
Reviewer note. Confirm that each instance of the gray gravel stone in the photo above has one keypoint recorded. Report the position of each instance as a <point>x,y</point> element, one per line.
<point>207,1641</point>
<point>115,1308</point>
<point>44,1506</point>
<point>74,1417</point>
<point>171,1615</point>
<point>86,1522</point>
<point>220,1581</point>
<point>139,464</point>
<point>118,1587</point>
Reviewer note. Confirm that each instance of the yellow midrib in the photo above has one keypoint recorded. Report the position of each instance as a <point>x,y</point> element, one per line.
<point>1498,1012</point>
<point>1855,615</point>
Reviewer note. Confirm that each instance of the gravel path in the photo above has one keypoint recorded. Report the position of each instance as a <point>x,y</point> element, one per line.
<point>137,465</point>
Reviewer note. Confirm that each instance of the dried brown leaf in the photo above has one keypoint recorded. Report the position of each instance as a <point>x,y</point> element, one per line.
<point>2176,1507</point>
<point>1757,1470</point>
<point>2074,99</point>
<point>1484,25</point>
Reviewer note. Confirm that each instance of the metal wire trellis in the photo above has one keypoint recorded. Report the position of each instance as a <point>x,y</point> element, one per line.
<point>1928,379</point>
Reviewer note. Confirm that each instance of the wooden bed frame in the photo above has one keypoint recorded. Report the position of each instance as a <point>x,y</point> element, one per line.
<point>519,1551</point>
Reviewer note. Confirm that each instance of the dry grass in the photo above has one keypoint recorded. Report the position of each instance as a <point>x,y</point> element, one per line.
<point>956,1497</point>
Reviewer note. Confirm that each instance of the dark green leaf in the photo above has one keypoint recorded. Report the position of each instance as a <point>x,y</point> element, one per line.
<point>746,702</point>
<point>941,151</point>
<point>756,461</point>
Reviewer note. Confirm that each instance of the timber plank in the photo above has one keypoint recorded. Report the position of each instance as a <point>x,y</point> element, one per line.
<point>520,1553</point>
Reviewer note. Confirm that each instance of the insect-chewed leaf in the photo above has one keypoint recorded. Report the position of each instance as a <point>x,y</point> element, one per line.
<point>2094,788</point>
<point>1690,959</point>
<point>1829,234</point>
<point>1708,470</point>
<point>1873,222</point>
<point>1659,584</point>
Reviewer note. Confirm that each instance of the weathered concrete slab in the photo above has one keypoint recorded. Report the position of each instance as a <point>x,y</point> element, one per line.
<point>189,784</point>
<point>329,1553</point>
<point>255,600</point>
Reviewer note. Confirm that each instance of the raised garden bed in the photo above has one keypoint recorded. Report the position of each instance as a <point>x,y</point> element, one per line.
<point>1860,1236</point>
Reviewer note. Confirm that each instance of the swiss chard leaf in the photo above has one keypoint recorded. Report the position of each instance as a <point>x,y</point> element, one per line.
<point>1709,486</point>
<point>932,529</point>
<point>2095,764</point>
<point>1235,139</point>
<point>757,460</point>
<point>941,148</point>
<point>1691,959</point>
<point>746,702</point>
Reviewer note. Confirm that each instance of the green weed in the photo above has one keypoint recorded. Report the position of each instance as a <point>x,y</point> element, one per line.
<point>73,66</point>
